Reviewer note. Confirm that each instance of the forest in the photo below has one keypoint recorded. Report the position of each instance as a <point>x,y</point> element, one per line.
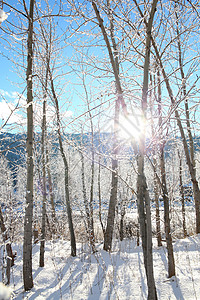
<point>99,149</point>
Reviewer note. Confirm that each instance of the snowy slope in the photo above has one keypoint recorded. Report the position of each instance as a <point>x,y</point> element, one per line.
<point>118,275</point>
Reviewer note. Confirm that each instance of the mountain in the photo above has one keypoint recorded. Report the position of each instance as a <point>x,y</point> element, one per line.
<point>12,146</point>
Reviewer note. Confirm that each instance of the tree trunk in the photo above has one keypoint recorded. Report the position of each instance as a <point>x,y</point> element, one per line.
<point>182,195</point>
<point>114,184</point>
<point>143,198</point>
<point>155,179</point>
<point>114,181</point>
<point>67,198</point>
<point>99,196</point>
<point>44,193</point>
<point>85,200</point>
<point>53,212</point>
<point>6,240</point>
<point>171,262</point>
<point>91,221</point>
<point>195,185</point>
<point>27,246</point>
<point>156,195</point>
<point>192,170</point>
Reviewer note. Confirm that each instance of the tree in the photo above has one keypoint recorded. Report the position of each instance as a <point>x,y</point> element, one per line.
<point>67,196</point>
<point>5,229</point>
<point>143,198</point>
<point>171,262</point>
<point>191,167</point>
<point>114,182</point>
<point>27,246</point>
<point>182,194</point>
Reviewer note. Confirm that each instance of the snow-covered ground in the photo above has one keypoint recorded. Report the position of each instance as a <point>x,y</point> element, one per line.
<point>116,275</point>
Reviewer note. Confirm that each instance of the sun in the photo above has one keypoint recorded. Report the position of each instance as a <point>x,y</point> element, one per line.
<point>131,126</point>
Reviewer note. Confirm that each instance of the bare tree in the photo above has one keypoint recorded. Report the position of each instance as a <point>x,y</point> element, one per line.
<point>120,100</point>
<point>27,247</point>
<point>6,240</point>
<point>182,194</point>
<point>143,198</point>
<point>155,164</point>
<point>44,190</point>
<point>67,197</point>
<point>171,262</point>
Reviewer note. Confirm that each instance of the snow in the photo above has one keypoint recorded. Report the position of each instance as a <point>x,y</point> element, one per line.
<point>116,275</point>
<point>3,16</point>
<point>5,292</point>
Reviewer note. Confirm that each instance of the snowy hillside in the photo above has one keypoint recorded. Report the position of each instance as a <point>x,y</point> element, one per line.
<point>118,275</point>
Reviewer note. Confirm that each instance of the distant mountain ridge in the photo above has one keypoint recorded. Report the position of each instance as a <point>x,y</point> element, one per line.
<point>12,146</point>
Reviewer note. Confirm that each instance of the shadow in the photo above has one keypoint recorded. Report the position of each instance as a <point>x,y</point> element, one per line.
<point>172,282</point>
<point>77,269</point>
<point>162,251</point>
<point>143,287</point>
<point>100,278</point>
<point>176,288</point>
<point>37,272</point>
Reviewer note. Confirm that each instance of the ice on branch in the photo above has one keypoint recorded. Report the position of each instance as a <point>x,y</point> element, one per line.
<point>3,16</point>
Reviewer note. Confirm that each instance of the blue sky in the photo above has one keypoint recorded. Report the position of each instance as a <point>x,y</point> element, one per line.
<point>73,96</point>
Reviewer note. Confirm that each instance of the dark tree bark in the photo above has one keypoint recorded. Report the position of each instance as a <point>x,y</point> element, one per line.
<point>99,196</point>
<point>171,262</point>
<point>6,240</point>
<point>182,195</point>
<point>195,184</point>
<point>27,246</point>
<point>191,167</point>
<point>44,192</point>
<point>91,197</point>
<point>67,197</point>
<point>53,211</point>
<point>155,178</point>
<point>143,198</point>
<point>114,181</point>
<point>86,204</point>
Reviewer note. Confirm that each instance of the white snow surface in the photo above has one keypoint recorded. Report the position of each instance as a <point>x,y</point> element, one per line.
<point>116,275</point>
<point>3,16</point>
<point>5,292</point>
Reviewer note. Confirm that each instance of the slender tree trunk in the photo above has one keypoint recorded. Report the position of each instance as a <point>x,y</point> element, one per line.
<point>91,221</point>
<point>195,184</point>
<point>191,143</point>
<point>143,198</point>
<point>92,237</point>
<point>27,246</point>
<point>114,185</point>
<point>156,195</point>
<point>99,196</point>
<point>44,193</point>
<point>114,181</point>
<point>6,240</point>
<point>85,200</point>
<point>67,198</point>
<point>53,211</point>
<point>182,195</point>
<point>48,44</point>
<point>122,213</point>
<point>171,262</point>
<point>187,113</point>
<point>186,150</point>
<point>155,179</point>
